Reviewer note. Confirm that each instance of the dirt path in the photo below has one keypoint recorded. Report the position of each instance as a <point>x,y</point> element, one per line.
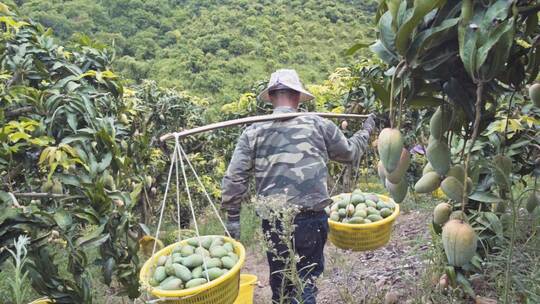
<point>362,277</point>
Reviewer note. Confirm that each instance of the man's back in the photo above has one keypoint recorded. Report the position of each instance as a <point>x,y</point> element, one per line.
<point>292,156</point>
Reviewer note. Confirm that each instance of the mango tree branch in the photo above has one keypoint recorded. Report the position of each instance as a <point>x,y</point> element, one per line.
<point>476,126</point>
<point>41,195</point>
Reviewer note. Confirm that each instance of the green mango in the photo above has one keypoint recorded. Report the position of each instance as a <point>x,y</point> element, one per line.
<point>182,272</point>
<point>177,249</point>
<point>374,217</point>
<point>160,274</point>
<point>361,206</point>
<point>202,251</point>
<point>343,203</point>
<point>334,216</point>
<point>197,272</point>
<point>173,284</point>
<point>228,262</point>
<point>218,252</point>
<point>213,262</point>
<point>234,256</point>
<point>193,260</point>
<point>213,273</point>
<point>229,247</point>
<point>372,210</point>
<point>389,146</point>
<point>357,198</point>
<point>161,260</point>
<point>187,250</point>
<point>195,282</point>
<point>381,205</point>
<point>356,220</point>
<point>371,203</point>
<point>207,242</point>
<point>360,213</point>
<point>438,155</point>
<point>217,241</point>
<point>385,212</point>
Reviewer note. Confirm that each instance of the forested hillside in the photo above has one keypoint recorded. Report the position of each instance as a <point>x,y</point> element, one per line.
<point>212,48</point>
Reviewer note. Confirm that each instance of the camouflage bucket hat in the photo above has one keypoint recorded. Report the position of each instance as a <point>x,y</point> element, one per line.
<point>285,78</point>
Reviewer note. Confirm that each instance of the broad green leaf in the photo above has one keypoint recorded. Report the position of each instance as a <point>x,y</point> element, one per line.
<point>420,102</point>
<point>108,268</point>
<point>386,33</point>
<point>430,38</point>
<point>72,121</point>
<point>94,242</point>
<point>90,236</point>
<point>63,219</point>
<point>495,35</point>
<point>467,48</point>
<point>381,93</point>
<point>105,162</point>
<point>461,280</point>
<point>386,55</point>
<point>485,197</point>
<point>494,222</point>
<point>420,9</point>
<point>357,46</point>
<point>393,8</point>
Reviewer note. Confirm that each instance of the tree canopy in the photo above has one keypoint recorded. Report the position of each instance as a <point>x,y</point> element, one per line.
<point>214,48</point>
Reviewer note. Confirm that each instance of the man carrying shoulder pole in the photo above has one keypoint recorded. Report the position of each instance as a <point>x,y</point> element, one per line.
<point>290,156</point>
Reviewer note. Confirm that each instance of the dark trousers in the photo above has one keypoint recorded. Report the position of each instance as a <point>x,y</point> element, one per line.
<point>310,235</point>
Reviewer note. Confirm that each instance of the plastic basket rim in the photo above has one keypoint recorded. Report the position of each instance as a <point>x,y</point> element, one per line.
<point>382,222</point>
<point>143,276</point>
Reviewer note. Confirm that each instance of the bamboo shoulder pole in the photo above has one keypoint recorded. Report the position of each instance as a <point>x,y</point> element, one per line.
<point>254,119</point>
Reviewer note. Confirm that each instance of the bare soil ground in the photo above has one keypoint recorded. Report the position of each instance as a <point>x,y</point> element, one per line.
<point>363,277</point>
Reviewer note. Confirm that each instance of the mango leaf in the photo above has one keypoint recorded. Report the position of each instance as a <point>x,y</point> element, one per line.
<point>357,46</point>
<point>503,34</point>
<point>105,162</point>
<point>93,238</point>
<point>420,9</point>
<point>485,197</point>
<point>430,38</point>
<point>381,93</point>
<point>87,214</point>
<point>467,48</point>
<point>108,268</point>
<point>382,52</point>
<point>63,219</point>
<point>494,222</point>
<point>465,284</point>
<point>386,33</point>
<point>420,102</point>
<point>436,58</point>
<point>393,8</point>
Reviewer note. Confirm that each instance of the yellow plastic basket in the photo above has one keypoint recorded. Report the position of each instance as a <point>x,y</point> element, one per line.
<point>222,290</point>
<point>247,288</point>
<point>362,237</point>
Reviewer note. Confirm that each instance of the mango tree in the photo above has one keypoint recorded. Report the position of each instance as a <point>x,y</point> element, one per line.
<point>80,160</point>
<point>472,61</point>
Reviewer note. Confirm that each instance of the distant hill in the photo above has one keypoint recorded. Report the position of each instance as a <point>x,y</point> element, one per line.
<point>213,48</point>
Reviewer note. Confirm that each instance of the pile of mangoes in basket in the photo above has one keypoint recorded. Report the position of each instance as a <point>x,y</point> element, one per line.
<point>190,265</point>
<point>359,208</point>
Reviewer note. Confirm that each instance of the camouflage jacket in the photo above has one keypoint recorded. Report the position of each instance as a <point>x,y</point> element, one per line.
<point>290,154</point>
